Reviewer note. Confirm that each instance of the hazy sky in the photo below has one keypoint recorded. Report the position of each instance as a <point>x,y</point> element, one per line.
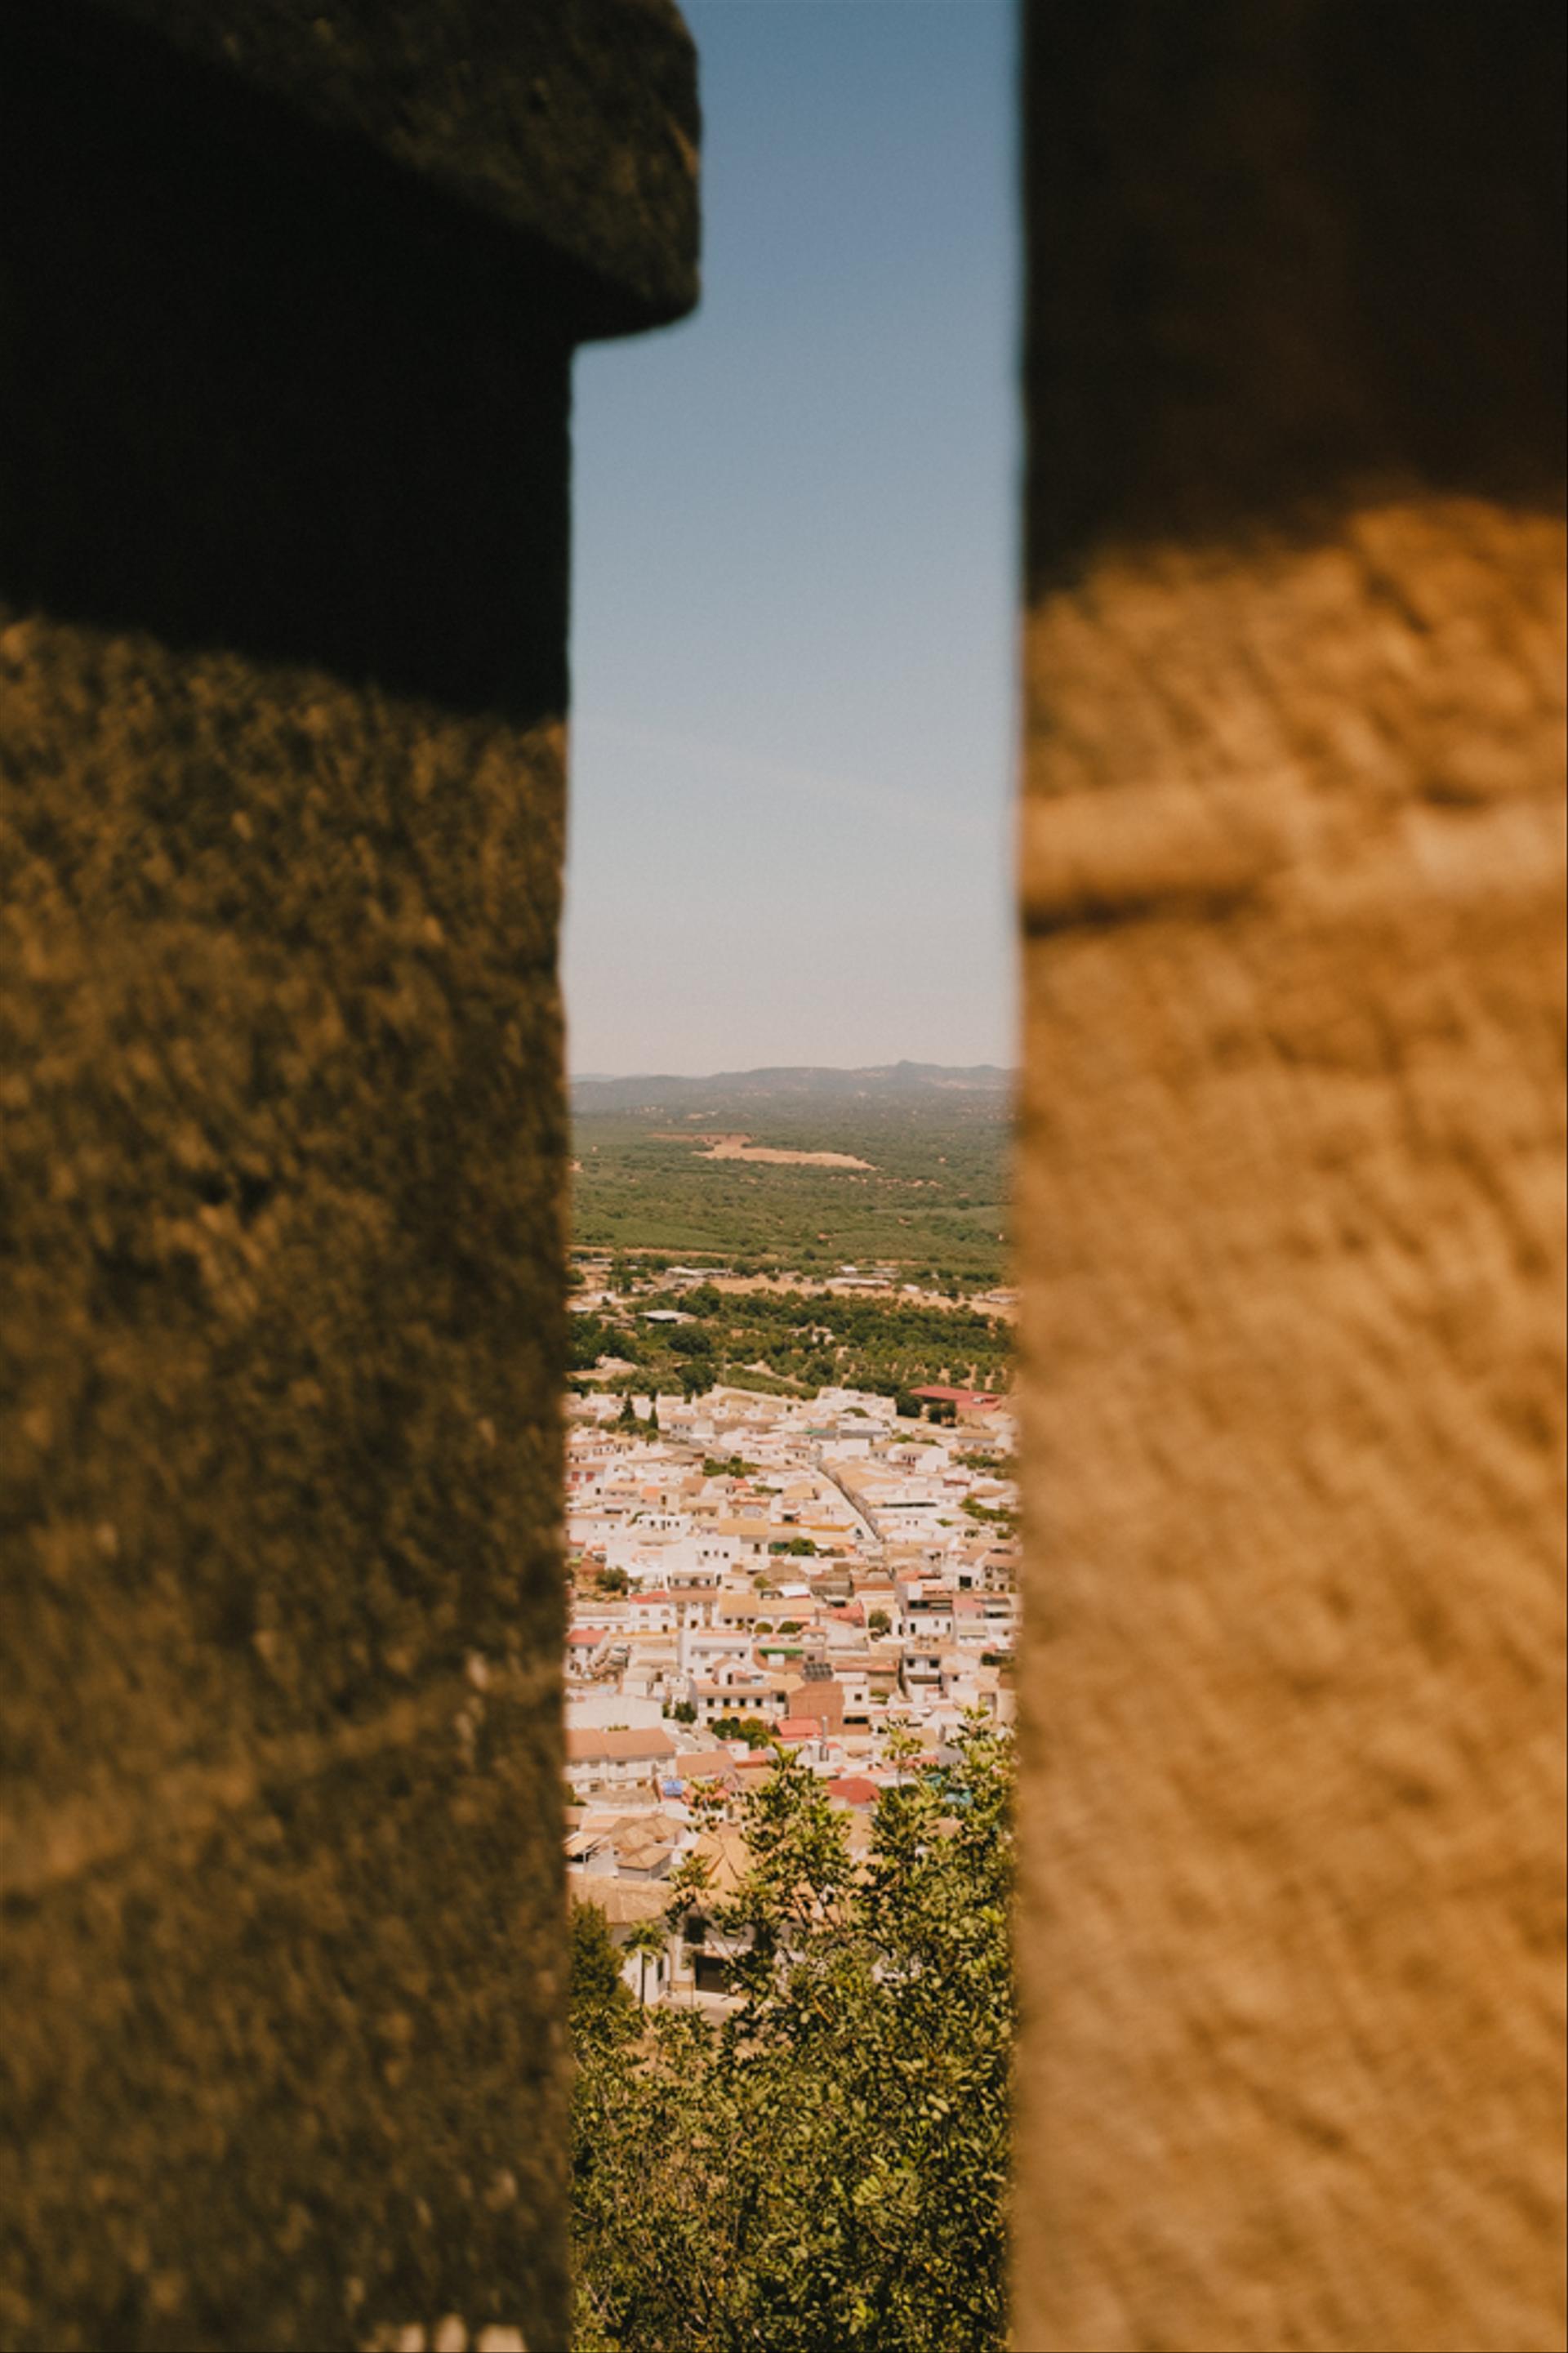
<point>794,557</point>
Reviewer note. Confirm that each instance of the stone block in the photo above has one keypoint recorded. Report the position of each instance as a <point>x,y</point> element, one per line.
<point>283,572</point>
<point>1290,1185</point>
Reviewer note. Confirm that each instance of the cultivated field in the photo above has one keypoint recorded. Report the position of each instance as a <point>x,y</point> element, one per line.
<point>819,1169</point>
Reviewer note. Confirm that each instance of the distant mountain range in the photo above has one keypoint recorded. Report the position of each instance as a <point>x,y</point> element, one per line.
<point>881,1083</point>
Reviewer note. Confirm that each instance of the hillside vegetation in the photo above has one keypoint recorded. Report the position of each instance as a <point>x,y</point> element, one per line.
<point>806,1342</point>
<point>931,1201</point>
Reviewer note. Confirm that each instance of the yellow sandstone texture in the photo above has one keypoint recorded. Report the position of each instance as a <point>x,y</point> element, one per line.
<point>1291,1198</point>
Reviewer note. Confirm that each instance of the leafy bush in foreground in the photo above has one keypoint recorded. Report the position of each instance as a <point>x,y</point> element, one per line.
<point>826,2167</point>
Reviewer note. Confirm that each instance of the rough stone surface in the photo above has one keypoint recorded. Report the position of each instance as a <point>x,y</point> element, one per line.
<point>281,1358</point>
<point>1275,244</point>
<point>1291,1180</point>
<point>573,124</point>
<point>283,548</point>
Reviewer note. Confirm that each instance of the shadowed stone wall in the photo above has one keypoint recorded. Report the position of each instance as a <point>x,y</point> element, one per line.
<point>1292,1175</point>
<point>286,303</point>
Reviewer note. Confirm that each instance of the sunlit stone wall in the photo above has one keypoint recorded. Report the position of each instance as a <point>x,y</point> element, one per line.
<point>1291,1180</point>
<point>287,297</point>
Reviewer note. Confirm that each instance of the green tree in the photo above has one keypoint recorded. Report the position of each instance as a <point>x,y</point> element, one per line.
<point>751,1729</point>
<point>879,1622</point>
<point>601,2005</point>
<point>586,1343</point>
<point>999,1516</point>
<point>648,1941</point>
<point>826,2167</point>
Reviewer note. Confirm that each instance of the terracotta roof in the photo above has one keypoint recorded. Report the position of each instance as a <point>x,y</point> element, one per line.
<point>725,1852</point>
<point>622,1901</point>
<point>638,1828</point>
<point>715,1764</point>
<point>584,1745</point>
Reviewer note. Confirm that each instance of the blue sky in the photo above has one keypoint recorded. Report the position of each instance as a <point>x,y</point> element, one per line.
<point>793,566</point>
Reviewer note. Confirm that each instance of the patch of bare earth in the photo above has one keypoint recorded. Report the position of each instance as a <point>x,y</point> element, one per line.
<point>740,1147</point>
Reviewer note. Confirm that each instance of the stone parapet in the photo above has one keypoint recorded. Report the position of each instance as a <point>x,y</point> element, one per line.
<point>284,512</point>
<point>1290,1184</point>
<point>569,127</point>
